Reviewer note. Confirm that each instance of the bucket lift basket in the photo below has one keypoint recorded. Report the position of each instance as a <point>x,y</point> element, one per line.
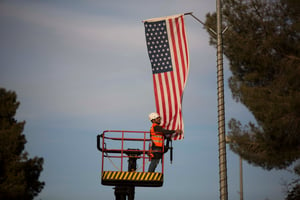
<point>117,147</point>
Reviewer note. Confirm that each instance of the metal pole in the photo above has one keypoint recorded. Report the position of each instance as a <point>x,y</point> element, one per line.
<point>241,179</point>
<point>221,110</point>
<point>210,29</point>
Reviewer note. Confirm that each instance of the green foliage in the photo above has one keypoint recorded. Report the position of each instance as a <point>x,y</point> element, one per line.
<point>293,188</point>
<point>18,174</point>
<point>263,48</point>
<point>294,194</point>
<point>262,44</point>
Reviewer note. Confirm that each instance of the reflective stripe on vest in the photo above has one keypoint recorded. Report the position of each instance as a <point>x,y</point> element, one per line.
<point>157,139</point>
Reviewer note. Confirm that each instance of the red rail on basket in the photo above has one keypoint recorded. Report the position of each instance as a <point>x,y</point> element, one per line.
<point>123,150</point>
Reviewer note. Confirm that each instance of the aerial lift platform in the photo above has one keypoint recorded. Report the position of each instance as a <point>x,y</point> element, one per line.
<point>117,147</point>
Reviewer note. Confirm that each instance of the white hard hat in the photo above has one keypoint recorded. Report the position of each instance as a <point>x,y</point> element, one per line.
<point>153,115</point>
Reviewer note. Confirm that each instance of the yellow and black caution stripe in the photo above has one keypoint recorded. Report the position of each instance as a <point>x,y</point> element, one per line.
<point>134,178</point>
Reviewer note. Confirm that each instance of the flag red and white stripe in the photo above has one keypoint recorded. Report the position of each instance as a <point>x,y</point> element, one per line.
<point>168,52</point>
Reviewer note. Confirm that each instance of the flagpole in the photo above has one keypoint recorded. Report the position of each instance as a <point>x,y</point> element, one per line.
<point>221,109</point>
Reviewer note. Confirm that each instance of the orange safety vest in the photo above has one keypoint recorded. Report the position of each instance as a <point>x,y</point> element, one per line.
<point>157,138</point>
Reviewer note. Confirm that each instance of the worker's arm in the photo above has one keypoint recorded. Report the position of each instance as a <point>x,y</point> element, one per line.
<point>165,132</point>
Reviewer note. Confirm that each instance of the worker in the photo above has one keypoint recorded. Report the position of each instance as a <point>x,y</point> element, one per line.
<point>157,135</point>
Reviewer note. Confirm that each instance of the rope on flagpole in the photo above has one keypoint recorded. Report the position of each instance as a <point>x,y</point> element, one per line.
<point>221,108</point>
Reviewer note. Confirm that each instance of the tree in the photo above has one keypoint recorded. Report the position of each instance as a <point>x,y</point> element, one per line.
<point>18,174</point>
<point>263,49</point>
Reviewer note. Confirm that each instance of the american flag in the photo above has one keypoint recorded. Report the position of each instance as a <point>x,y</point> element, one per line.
<point>168,52</point>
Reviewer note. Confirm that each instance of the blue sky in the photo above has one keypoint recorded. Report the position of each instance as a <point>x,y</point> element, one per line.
<point>81,67</point>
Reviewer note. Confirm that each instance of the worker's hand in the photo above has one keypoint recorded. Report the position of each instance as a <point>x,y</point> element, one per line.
<point>178,131</point>
<point>168,136</point>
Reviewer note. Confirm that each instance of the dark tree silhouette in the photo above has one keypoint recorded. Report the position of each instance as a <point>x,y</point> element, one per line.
<point>19,175</point>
